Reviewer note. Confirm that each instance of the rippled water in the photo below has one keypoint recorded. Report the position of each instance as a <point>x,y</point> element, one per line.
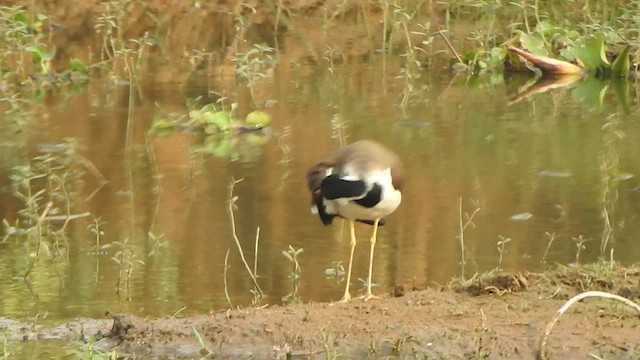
<point>548,164</point>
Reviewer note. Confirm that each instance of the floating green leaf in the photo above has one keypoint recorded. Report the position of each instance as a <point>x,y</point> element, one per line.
<point>77,65</point>
<point>258,119</point>
<point>621,65</point>
<point>221,120</point>
<point>590,52</point>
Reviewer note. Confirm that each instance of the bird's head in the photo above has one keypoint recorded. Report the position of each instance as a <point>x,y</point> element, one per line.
<point>315,175</point>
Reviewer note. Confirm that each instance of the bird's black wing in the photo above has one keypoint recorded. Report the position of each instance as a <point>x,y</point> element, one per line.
<point>372,198</point>
<point>333,187</point>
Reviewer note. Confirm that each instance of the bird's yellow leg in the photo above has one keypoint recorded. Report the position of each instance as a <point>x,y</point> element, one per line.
<point>369,295</point>
<point>347,296</point>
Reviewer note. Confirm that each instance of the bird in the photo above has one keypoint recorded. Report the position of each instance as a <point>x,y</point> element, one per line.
<point>360,182</point>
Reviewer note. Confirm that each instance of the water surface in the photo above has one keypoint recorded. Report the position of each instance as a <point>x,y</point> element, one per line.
<point>549,160</point>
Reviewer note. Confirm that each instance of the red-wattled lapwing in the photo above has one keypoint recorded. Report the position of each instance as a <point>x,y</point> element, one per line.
<point>359,182</point>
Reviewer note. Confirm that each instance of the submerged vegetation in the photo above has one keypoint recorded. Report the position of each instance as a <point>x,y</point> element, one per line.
<point>225,62</point>
<point>221,129</point>
<point>48,187</point>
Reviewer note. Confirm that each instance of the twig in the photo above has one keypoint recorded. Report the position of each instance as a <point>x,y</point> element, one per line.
<point>232,200</point>
<point>461,231</point>
<point>455,53</point>
<point>573,300</point>
<point>255,253</point>
<point>66,217</point>
<point>178,312</point>
<point>226,288</point>
<point>406,33</point>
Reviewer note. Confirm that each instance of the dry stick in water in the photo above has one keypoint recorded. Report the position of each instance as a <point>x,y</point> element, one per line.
<point>232,200</point>
<point>573,300</point>
<point>455,53</point>
<point>255,254</point>
<point>226,288</point>
<point>461,233</point>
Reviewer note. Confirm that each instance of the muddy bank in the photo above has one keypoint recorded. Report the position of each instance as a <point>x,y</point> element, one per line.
<point>183,36</point>
<point>501,316</point>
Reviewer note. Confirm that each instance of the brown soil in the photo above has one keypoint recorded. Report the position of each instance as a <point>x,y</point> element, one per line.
<point>497,315</point>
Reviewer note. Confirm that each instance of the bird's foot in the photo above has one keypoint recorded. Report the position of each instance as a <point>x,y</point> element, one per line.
<point>370,296</point>
<point>345,299</point>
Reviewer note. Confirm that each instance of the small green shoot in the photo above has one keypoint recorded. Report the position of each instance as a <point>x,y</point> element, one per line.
<point>335,272</point>
<point>552,237</point>
<point>501,248</point>
<point>205,352</point>
<point>292,255</point>
<point>580,240</point>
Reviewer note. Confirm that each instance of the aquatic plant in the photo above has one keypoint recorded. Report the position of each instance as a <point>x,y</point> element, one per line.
<point>411,70</point>
<point>292,255</point>
<point>254,65</point>
<point>23,40</point>
<point>570,31</point>
<point>464,221</point>
<point>610,178</point>
<point>48,188</point>
<point>212,119</point>
<point>579,240</point>
<point>501,245</point>
<point>552,238</point>
<point>127,261</point>
<point>125,56</point>
<point>336,271</point>
<point>257,292</point>
<point>225,136</point>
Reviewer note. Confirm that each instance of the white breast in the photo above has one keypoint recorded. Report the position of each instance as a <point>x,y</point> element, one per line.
<point>389,202</point>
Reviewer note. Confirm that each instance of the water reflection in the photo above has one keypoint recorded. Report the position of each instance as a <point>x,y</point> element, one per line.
<point>566,160</point>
